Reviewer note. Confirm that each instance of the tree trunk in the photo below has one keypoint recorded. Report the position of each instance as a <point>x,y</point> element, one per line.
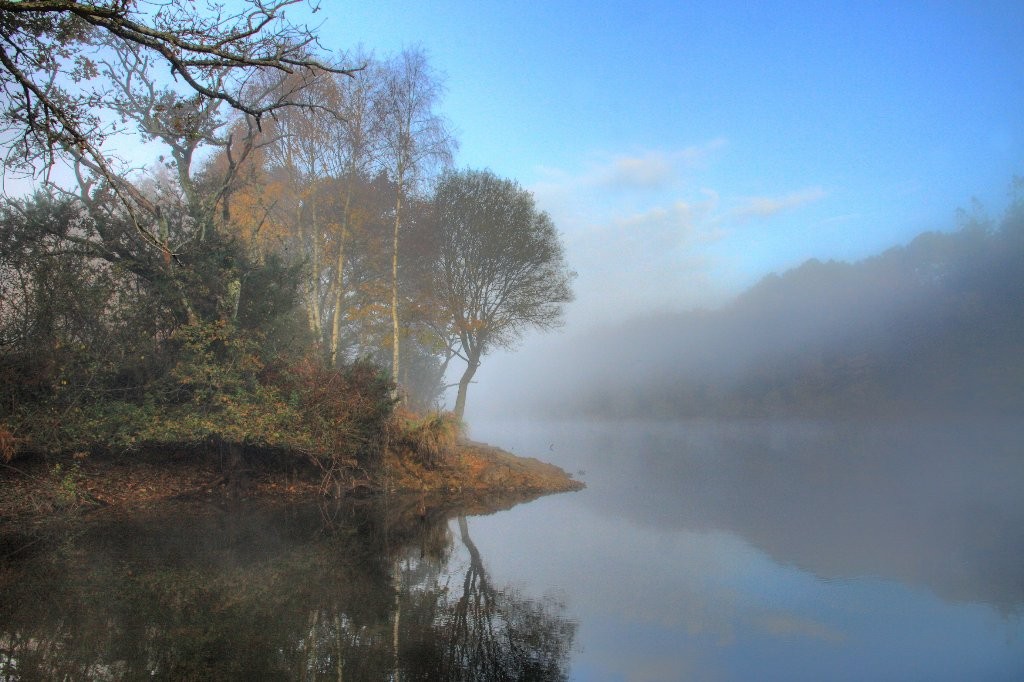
<point>314,301</point>
<point>339,282</point>
<point>394,289</point>
<point>467,376</point>
<point>306,241</point>
<point>396,621</point>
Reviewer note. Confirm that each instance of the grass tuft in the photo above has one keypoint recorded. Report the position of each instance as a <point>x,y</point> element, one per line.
<point>430,438</point>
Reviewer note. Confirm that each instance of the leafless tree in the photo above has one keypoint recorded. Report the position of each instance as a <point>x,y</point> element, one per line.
<point>58,102</point>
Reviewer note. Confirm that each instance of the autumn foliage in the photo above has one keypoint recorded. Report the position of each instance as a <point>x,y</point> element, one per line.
<point>346,413</point>
<point>269,284</point>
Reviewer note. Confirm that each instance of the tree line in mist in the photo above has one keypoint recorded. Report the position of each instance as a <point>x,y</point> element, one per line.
<point>935,326</point>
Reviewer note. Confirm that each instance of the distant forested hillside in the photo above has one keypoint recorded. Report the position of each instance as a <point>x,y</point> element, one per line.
<point>933,326</point>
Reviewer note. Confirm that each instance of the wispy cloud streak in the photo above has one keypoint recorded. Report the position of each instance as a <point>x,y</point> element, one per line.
<point>753,208</point>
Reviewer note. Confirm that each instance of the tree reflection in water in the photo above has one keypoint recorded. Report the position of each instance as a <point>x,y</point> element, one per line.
<point>484,633</point>
<point>369,591</point>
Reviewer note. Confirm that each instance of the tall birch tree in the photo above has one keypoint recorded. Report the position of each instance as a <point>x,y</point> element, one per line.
<point>299,159</point>
<point>355,151</point>
<point>416,140</point>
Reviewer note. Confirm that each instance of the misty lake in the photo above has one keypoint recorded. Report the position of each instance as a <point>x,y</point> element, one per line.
<point>721,550</point>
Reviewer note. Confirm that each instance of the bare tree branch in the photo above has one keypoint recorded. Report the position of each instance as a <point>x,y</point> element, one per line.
<point>52,91</point>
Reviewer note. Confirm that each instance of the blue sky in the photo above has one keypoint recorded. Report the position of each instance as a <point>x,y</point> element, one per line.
<point>687,149</point>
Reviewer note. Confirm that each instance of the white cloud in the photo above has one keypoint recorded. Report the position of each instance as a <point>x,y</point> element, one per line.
<point>753,208</point>
<point>677,218</point>
<point>675,224</point>
<point>650,170</point>
<point>642,236</point>
<point>843,218</point>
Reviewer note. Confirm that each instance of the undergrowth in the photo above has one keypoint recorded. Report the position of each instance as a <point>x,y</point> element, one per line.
<point>430,439</point>
<point>219,390</point>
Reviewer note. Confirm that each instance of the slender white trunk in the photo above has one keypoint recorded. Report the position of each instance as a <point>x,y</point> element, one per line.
<point>397,582</point>
<point>394,289</point>
<point>339,286</point>
<point>314,279</point>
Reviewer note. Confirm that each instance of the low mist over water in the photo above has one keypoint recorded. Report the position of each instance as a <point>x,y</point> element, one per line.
<point>703,548</point>
<point>781,549</point>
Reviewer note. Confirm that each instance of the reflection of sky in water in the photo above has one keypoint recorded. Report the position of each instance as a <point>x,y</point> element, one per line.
<point>657,599</point>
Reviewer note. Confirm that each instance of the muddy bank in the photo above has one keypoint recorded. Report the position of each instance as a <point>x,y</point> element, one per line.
<point>41,490</point>
<point>481,468</point>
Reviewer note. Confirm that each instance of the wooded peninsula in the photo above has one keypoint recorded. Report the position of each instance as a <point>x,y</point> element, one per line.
<point>274,301</point>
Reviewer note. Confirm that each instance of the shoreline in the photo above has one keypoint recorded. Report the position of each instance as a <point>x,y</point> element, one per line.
<point>55,489</point>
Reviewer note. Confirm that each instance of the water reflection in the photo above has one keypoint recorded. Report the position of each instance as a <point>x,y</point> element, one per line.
<point>934,504</point>
<point>741,550</point>
<point>364,591</point>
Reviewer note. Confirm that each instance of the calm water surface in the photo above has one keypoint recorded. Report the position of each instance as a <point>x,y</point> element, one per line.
<point>702,550</point>
<point>755,550</point>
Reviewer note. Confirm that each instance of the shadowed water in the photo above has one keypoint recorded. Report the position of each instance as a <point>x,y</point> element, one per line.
<point>254,592</point>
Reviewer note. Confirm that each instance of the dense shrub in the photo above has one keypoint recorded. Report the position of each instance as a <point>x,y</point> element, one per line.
<point>346,412</point>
